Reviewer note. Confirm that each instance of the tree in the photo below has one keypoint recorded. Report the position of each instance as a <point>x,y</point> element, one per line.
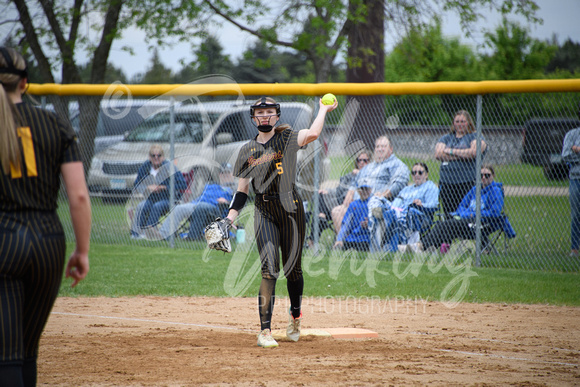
<point>259,64</point>
<point>157,73</point>
<point>366,63</point>
<point>113,74</point>
<point>321,27</point>
<point>320,30</point>
<point>87,29</point>
<point>566,58</point>
<point>425,55</point>
<point>516,55</point>
<point>209,59</point>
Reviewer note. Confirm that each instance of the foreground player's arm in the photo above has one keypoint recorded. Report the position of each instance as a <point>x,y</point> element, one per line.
<point>306,136</point>
<point>243,189</point>
<point>80,210</point>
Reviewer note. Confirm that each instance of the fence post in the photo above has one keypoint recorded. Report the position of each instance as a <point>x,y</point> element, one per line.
<point>171,168</point>
<point>478,159</point>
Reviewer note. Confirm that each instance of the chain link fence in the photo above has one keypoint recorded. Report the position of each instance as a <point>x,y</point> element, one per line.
<point>518,135</point>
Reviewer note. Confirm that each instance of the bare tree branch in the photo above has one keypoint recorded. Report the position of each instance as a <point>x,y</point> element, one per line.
<point>245,28</point>
<point>33,42</point>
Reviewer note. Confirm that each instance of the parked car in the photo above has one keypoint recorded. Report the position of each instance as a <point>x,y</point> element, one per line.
<point>206,135</point>
<point>117,117</point>
<point>542,144</point>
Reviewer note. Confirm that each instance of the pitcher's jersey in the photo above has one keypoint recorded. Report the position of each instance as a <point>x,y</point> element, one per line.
<point>271,166</point>
<point>47,142</point>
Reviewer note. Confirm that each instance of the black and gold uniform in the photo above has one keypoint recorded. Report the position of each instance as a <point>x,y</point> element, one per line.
<point>279,217</point>
<point>32,242</point>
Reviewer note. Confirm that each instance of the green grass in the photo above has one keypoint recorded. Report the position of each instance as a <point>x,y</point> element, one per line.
<point>536,267</point>
<point>159,271</point>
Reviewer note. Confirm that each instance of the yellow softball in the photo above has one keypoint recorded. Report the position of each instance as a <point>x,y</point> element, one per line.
<point>328,99</point>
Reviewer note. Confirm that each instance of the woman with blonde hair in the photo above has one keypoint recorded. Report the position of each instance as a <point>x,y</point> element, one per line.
<point>36,148</point>
<point>457,151</point>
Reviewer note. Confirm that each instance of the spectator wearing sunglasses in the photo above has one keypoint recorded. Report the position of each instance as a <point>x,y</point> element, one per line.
<point>153,179</point>
<point>462,223</point>
<point>410,213</point>
<point>330,198</point>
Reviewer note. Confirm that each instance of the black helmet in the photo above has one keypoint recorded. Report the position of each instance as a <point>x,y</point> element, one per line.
<point>264,104</point>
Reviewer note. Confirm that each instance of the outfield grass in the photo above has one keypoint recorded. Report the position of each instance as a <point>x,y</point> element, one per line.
<point>159,271</point>
<point>536,267</point>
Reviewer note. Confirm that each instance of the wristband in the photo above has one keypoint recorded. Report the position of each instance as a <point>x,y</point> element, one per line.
<point>238,201</point>
<point>450,151</point>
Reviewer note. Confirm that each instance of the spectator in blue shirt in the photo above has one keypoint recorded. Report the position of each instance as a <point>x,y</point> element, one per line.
<point>212,203</point>
<point>354,233</point>
<point>330,198</point>
<point>153,179</point>
<point>409,213</point>
<point>571,154</point>
<point>462,223</point>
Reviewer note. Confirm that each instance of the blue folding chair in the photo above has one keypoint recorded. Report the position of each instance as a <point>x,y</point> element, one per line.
<point>495,230</point>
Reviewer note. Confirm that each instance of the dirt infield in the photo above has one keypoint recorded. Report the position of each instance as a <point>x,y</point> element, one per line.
<point>152,341</point>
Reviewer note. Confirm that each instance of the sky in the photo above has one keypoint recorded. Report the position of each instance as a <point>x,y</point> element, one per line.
<point>560,19</point>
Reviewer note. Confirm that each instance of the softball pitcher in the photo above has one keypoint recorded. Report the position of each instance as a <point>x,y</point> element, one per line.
<point>268,162</point>
<point>35,149</point>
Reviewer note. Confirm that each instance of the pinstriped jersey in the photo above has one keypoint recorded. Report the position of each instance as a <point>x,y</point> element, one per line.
<point>271,166</point>
<point>46,142</point>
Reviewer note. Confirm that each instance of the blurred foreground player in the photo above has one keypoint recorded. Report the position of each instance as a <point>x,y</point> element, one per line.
<point>269,163</point>
<point>35,149</point>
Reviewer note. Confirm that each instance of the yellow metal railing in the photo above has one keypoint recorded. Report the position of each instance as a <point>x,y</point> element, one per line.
<point>313,89</point>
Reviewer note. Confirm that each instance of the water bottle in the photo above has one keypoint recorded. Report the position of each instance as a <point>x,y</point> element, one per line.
<point>240,236</point>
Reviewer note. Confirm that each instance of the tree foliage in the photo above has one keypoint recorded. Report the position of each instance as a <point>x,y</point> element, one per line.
<point>566,58</point>
<point>59,32</point>
<point>425,55</point>
<point>515,54</point>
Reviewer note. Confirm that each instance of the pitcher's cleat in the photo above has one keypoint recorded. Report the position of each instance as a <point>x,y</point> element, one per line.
<point>293,330</point>
<point>265,339</point>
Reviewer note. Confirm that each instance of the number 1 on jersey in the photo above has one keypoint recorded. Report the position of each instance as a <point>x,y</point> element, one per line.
<point>29,157</point>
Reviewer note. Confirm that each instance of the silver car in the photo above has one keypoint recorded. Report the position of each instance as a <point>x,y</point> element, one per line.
<point>205,135</point>
<point>116,118</point>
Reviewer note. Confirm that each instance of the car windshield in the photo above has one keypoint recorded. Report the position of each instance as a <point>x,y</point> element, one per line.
<point>109,125</point>
<point>188,127</point>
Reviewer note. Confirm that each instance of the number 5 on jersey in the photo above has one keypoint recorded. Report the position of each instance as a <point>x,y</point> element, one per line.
<point>279,168</point>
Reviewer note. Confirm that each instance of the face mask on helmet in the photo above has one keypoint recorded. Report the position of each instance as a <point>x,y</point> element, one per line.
<point>264,104</point>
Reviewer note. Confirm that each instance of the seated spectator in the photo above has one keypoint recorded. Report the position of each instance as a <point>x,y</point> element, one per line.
<point>462,222</point>
<point>354,232</point>
<point>153,179</point>
<point>410,213</point>
<point>387,175</point>
<point>330,198</point>
<point>201,211</point>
